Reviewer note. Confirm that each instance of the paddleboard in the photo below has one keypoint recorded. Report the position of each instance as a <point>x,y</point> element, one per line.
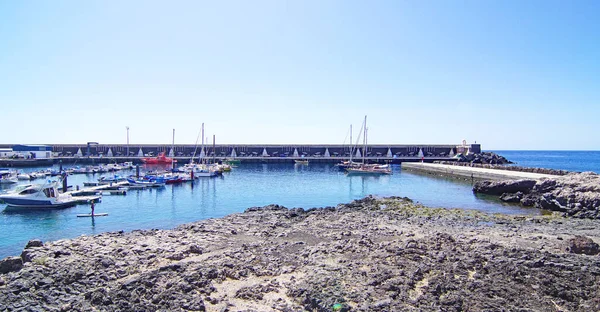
<point>103,214</point>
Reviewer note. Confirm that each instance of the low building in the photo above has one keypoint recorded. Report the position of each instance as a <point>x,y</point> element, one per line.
<point>6,152</point>
<point>33,151</point>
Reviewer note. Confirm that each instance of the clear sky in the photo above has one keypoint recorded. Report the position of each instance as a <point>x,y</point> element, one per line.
<point>507,74</point>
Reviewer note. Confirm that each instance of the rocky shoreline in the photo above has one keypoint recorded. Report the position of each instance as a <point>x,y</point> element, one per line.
<point>369,255</point>
<point>574,195</point>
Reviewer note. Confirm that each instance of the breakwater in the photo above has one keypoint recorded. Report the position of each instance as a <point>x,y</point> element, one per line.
<point>471,172</point>
<point>505,167</point>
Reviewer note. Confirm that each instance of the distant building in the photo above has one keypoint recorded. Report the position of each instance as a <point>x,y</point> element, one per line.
<point>6,152</point>
<point>33,151</point>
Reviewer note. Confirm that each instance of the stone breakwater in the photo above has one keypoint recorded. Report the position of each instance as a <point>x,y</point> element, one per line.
<point>369,255</point>
<point>482,158</point>
<point>574,195</point>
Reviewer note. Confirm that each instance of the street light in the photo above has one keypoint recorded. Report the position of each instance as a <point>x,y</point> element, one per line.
<point>127,140</point>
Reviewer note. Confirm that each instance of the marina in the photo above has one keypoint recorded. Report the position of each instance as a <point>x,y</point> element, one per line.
<point>248,185</point>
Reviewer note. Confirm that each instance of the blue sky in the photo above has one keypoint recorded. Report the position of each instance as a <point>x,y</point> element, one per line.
<point>507,74</point>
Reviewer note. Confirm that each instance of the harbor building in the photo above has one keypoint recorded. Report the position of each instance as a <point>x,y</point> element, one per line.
<point>32,151</point>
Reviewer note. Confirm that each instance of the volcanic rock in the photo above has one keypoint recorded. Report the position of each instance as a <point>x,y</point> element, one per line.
<point>372,254</point>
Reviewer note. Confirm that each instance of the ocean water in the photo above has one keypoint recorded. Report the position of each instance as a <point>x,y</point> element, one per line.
<point>565,160</point>
<point>315,185</point>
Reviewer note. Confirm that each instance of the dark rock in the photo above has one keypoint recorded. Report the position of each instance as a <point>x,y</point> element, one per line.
<point>10,264</point>
<point>511,198</point>
<point>529,200</point>
<point>501,187</point>
<point>583,245</point>
<point>34,243</point>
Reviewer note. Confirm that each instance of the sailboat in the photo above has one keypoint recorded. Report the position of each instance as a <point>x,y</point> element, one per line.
<point>366,169</point>
<point>342,166</point>
<point>200,169</point>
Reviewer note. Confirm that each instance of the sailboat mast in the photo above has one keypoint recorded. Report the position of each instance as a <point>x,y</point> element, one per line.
<point>202,149</point>
<point>365,141</point>
<point>214,150</point>
<point>173,149</point>
<point>351,144</point>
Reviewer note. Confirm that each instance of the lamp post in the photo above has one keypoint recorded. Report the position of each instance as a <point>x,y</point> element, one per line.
<point>127,140</point>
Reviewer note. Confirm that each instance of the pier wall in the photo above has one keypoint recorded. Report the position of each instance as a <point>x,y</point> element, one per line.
<point>373,153</point>
<point>272,150</point>
<point>473,173</point>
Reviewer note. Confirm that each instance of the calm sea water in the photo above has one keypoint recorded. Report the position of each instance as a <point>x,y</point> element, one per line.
<point>315,185</point>
<point>565,160</point>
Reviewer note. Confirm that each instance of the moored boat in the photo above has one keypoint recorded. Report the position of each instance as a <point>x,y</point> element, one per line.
<point>8,176</point>
<point>38,196</point>
<point>160,159</point>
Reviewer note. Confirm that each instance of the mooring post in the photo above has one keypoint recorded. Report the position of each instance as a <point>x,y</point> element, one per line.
<point>64,182</point>
<point>137,171</point>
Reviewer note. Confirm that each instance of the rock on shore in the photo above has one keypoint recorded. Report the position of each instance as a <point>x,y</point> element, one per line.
<point>575,194</point>
<point>483,158</point>
<point>368,255</point>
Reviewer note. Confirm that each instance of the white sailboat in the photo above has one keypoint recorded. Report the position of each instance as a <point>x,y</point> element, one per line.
<point>366,169</point>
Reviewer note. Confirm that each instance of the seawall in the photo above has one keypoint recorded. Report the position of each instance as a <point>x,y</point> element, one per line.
<point>474,173</point>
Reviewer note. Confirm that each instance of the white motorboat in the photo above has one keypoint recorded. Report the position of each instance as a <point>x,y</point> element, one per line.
<point>8,176</point>
<point>38,196</point>
<point>23,177</point>
<point>199,170</point>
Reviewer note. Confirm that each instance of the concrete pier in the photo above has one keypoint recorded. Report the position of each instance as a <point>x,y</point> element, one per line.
<point>472,172</point>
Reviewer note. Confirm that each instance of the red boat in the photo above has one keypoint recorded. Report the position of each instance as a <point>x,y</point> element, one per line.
<point>160,159</point>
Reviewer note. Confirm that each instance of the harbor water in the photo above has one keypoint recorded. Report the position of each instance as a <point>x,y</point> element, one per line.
<point>306,186</point>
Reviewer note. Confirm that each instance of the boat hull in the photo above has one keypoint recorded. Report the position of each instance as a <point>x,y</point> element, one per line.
<point>36,204</point>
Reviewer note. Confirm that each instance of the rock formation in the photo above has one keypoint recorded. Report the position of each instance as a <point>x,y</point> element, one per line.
<point>575,195</point>
<point>368,255</point>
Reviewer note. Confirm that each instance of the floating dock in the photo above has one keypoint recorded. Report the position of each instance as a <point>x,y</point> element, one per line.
<point>106,189</point>
<point>473,173</point>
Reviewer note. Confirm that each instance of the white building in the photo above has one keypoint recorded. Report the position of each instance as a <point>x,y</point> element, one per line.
<point>6,152</point>
<point>33,151</point>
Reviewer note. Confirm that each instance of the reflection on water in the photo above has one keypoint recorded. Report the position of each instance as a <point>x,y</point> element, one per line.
<point>313,185</point>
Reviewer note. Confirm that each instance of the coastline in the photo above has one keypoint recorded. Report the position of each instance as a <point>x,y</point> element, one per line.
<point>368,255</point>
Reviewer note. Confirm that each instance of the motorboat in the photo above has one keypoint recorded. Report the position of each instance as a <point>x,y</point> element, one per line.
<point>113,167</point>
<point>8,176</point>
<point>301,162</point>
<point>110,180</point>
<point>23,177</point>
<point>152,182</point>
<point>127,165</point>
<point>160,159</point>
<point>199,170</point>
<point>38,196</point>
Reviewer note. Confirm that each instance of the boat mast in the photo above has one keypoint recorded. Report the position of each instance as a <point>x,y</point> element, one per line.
<point>173,149</point>
<point>202,149</point>
<point>365,141</point>
<point>351,149</point>
<point>214,150</point>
